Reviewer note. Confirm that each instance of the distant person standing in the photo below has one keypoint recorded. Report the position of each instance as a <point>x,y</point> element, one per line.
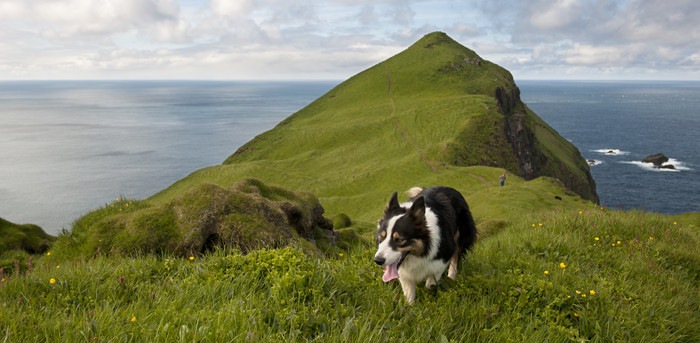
<point>502,179</point>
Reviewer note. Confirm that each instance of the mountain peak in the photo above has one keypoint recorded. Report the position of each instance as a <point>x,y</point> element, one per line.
<point>427,114</point>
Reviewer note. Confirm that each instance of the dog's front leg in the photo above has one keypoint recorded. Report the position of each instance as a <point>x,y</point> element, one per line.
<point>432,280</point>
<point>454,262</point>
<point>409,289</point>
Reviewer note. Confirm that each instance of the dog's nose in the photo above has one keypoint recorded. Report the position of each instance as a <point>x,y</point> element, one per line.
<point>379,260</point>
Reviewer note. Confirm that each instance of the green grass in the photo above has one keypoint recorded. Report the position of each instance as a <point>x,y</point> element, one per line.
<point>428,116</point>
<point>18,242</point>
<point>642,268</point>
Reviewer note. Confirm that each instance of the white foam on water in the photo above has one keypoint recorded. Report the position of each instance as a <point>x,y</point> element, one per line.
<point>678,165</point>
<point>593,163</point>
<point>611,152</point>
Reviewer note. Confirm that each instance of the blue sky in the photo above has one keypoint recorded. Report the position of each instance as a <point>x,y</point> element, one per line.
<point>335,39</point>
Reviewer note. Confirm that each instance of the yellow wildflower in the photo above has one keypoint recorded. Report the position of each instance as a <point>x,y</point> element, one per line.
<point>674,223</point>
<point>592,292</point>
<point>58,266</point>
<point>52,281</point>
<point>48,253</point>
<point>578,292</point>
<point>546,272</point>
<point>133,319</point>
<point>562,265</point>
<point>597,238</point>
<point>580,212</point>
<point>191,258</point>
<point>540,224</point>
<point>583,295</point>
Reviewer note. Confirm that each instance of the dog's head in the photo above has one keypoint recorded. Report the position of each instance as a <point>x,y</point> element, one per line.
<point>400,232</point>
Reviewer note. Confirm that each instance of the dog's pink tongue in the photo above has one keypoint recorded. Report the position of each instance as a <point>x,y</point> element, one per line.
<point>390,272</point>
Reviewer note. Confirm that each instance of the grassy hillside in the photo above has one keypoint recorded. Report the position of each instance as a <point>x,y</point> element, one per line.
<point>27,237</point>
<point>574,275</point>
<point>429,115</point>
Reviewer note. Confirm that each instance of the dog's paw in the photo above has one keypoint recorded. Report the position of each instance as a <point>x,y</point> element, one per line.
<point>430,282</point>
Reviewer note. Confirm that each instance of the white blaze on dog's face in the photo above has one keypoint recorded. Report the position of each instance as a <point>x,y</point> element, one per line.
<point>389,242</point>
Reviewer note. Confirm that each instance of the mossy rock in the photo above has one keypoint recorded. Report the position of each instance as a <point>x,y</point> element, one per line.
<point>28,237</point>
<point>250,215</point>
<point>341,220</point>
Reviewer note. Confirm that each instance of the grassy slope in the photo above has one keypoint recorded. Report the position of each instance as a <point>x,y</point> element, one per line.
<point>387,129</point>
<point>642,268</point>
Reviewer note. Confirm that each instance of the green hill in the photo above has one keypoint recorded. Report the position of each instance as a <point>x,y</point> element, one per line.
<point>27,237</point>
<point>435,113</point>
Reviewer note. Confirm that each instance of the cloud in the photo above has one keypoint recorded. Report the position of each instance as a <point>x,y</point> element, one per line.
<point>338,38</point>
<point>86,19</point>
<point>557,15</point>
<point>625,36</point>
<point>232,9</point>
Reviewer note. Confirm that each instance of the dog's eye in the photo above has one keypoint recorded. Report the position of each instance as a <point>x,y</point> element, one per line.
<point>399,240</point>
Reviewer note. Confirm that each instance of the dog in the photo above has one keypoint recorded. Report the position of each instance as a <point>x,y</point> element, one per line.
<point>418,239</point>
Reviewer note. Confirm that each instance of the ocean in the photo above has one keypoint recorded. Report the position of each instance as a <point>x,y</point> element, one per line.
<point>67,147</point>
<point>617,124</point>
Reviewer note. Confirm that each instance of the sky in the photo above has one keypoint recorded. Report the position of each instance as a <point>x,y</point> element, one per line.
<point>335,39</point>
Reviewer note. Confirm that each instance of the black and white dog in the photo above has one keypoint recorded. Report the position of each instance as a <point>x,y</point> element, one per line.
<point>419,238</point>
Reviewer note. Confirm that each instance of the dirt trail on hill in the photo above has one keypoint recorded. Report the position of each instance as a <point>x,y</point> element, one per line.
<point>398,126</point>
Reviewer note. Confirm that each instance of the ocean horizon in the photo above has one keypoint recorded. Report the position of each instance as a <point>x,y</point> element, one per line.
<point>68,147</point>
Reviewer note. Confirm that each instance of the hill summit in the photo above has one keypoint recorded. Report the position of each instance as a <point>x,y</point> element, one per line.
<point>434,114</point>
<point>439,99</point>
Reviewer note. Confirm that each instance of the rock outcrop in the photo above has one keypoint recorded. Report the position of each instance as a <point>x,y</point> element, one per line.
<point>250,215</point>
<point>536,158</point>
<point>658,160</point>
<point>28,237</point>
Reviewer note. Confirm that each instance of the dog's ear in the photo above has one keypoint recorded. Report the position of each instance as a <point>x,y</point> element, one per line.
<point>393,203</point>
<point>418,208</point>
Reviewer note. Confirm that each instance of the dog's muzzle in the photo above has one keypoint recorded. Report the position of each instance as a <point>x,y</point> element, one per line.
<point>379,260</point>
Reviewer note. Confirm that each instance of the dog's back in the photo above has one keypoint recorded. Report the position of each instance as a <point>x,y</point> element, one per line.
<point>449,203</point>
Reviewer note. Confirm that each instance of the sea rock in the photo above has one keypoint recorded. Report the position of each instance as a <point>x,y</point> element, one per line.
<point>657,159</point>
